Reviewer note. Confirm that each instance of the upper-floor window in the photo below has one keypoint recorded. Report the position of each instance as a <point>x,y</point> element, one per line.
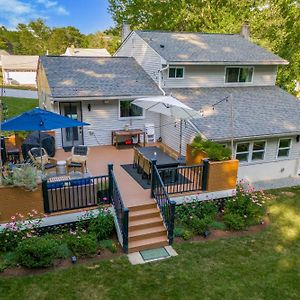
<point>238,74</point>
<point>284,148</point>
<point>129,110</point>
<point>176,72</point>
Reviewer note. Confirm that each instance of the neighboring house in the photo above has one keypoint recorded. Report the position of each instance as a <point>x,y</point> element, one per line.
<point>19,69</point>
<point>202,69</point>
<point>97,90</point>
<point>71,51</point>
<point>2,52</point>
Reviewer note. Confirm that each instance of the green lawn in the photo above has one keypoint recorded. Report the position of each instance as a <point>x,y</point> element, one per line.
<point>17,106</point>
<point>262,266</point>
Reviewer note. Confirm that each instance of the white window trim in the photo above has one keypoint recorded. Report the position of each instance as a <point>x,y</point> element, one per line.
<point>248,82</point>
<point>176,67</point>
<point>128,118</point>
<point>284,148</point>
<point>251,151</point>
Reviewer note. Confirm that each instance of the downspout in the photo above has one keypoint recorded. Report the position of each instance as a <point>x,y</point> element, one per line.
<point>160,78</point>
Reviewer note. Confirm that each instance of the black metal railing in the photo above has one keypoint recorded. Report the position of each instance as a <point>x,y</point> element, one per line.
<point>182,179</point>
<point>166,206</point>
<point>121,210</point>
<point>75,193</point>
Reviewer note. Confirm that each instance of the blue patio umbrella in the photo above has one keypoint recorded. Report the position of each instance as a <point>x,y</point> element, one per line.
<point>39,119</point>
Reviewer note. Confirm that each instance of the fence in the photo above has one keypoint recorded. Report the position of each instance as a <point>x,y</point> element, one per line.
<point>75,193</point>
<point>120,209</point>
<point>166,206</point>
<point>183,178</point>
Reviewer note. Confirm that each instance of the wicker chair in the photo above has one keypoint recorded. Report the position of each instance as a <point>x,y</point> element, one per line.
<point>136,157</point>
<point>40,159</point>
<point>79,158</point>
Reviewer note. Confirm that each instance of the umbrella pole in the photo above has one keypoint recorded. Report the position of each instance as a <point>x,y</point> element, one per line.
<point>180,142</point>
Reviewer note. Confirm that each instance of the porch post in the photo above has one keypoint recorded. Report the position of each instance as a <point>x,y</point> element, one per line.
<point>205,174</point>
<point>153,164</point>
<point>110,181</point>
<point>172,220</point>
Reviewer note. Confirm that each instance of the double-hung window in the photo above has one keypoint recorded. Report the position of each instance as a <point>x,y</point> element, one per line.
<point>176,72</point>
<point>250,151</point>
<point>284,148</point>
<point>238,74</point>
<point>127,110</point>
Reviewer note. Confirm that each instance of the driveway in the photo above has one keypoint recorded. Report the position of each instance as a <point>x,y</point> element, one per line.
<point>20,93</point>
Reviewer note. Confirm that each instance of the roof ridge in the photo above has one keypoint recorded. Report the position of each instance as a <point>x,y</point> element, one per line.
<point>184,32</point>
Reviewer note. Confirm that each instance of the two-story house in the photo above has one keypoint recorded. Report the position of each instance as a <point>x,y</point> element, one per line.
<point>201,70</point>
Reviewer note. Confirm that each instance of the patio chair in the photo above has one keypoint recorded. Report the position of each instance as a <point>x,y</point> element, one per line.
<point>136,157</point>
<point>147,169</point>
<point>40,159</point>
<point>79,158</point>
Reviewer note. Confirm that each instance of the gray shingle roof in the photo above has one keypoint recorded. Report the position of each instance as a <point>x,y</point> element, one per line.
<point>202,47</point>
<point>97,77</point>
<point>258,111</point>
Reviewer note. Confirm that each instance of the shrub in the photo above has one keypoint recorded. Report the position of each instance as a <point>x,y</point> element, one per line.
<point>63,251</point>
<point>36,252</point>
<point>218,225</point>
<point>103,225</point>
<point>110,245</point>
<point>178,231</point>
<point>247,206</point>
<point>200,226</point>
<point>8,260</point>
<point>82,245</point>
<point>215,152</point>
<point>187,235</point>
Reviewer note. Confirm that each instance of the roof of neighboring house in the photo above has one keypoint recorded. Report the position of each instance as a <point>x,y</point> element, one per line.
<point>86,52</point>
<point>97,77</point>
<point>258,111</point>
<point>207,48</point>
<point>19,62</point>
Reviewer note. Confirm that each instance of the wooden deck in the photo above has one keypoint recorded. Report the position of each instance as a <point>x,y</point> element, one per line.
<point>100,156</point>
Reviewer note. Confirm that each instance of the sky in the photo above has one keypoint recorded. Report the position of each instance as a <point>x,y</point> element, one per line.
<point>87,15</point>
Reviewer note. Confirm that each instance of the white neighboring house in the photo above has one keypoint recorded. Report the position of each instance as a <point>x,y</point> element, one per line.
<point>2,52</point>
<point>71,51</point>
<point>19,69</point>
<point>201,69</point>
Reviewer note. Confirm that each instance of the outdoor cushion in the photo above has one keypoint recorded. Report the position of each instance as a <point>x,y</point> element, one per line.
<point>36,152</point>
<point>81,181</point>
<point>75,164</point>
<point>80,150</point>
<point>49,166</point>
<point>55,185</point>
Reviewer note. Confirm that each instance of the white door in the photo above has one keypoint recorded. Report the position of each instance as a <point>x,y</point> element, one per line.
<point>72,136</point>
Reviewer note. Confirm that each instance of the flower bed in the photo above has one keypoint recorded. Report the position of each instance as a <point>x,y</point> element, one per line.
<point>36,247</point>
<point>245,209</point>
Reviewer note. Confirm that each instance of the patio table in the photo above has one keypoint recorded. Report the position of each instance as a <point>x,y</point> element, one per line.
<point>163,160</point>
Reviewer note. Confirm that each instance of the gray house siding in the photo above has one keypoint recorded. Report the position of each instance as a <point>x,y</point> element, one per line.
<point>214,76</point>
<point>136,47</point>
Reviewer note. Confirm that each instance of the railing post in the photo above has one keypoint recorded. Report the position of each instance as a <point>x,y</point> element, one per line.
<point>45,196</point>
<point>172,220</point>
<point>110,182</point>
<point>153,164</point>
<point>205,174</point>
<point>125,230</point>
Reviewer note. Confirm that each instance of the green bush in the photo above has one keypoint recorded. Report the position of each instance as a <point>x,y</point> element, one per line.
<point>82,245</point>
<point>109,244</point>
<point>36,252</point>
<point>218,225</point>
<point>215,152</point>
<point>63,251</point>
<point>200,226</point>
<point>234,221</point>
<point>178,231</point>
<point>187,235</point>
<point>8,260</point>
<point>103,225</point>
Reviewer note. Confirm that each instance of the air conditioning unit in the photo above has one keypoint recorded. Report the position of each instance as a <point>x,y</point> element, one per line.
<point>150,133</point>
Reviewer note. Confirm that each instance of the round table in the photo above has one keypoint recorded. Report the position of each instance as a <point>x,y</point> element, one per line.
<point>61,167</point>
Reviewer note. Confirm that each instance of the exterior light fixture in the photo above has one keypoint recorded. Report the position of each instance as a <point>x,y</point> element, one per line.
<point>89,107</point>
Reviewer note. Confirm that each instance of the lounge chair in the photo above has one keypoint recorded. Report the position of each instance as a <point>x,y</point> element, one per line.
<point>78,158</point>
<point>41,160</point>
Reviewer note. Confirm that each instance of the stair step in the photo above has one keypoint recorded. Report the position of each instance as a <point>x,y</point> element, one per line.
<point>144,214</point>
<point>149,243</point>
<point>142,206</point>
<point>145,223</point>
<point>147,233</point>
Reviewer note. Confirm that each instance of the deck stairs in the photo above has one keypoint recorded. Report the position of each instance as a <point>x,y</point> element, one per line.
<point>146,229</point>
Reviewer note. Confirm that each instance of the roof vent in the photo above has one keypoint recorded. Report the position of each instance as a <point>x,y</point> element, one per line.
<point>245,30</point>
<point>162,46</point>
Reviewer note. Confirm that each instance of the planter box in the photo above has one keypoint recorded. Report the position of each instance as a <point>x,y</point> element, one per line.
<point>194,156</point>
<point>17,200</point>
<point>222,175</point>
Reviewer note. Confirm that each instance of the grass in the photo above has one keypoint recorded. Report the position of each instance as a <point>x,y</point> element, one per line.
<point>261,266</point>
<point>17,106</point>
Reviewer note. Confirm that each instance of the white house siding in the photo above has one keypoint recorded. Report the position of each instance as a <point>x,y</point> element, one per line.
<point>104,117</point>
<point>171,135</point>
<point>149,60</point>
<point>19,77</point>
<point>214,76</point>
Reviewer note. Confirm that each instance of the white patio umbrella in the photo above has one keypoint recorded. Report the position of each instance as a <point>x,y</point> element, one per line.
<point>169,106</point>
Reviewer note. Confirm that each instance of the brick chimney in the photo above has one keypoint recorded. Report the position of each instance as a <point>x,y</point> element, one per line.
<point>245,30</point>
<point>125,31</point>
